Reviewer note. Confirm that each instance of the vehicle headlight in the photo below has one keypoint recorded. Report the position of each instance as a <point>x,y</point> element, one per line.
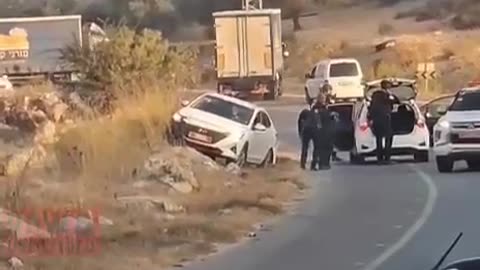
<point>444,124</point>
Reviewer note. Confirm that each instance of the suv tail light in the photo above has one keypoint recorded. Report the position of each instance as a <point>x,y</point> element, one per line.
<point>420,124</point>
<point>364,126</point>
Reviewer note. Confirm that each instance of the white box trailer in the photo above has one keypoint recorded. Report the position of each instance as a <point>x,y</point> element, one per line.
<point>249,52</point>
<point>31,45</point>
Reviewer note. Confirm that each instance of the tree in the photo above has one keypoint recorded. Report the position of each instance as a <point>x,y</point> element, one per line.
<point>295,8</point>
<point>291,9</point>
<point>65,6</point>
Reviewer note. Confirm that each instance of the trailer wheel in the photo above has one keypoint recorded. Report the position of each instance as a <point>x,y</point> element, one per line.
<point>273,89</point>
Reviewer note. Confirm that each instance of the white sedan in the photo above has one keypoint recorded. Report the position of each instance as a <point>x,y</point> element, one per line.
<point>411,135</point>
<point>225,127</point>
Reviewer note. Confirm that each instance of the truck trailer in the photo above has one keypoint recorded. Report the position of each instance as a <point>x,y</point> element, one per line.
<point>249,52</point>
<point>30,46</point>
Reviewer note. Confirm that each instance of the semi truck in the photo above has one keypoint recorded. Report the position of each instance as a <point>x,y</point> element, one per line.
<point>30,47</point>
<point>249,52</point>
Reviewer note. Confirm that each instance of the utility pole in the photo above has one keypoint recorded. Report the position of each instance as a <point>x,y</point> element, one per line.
<point>252,4</point>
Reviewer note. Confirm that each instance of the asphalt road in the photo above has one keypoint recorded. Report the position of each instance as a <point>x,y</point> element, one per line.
<point>368,217</point>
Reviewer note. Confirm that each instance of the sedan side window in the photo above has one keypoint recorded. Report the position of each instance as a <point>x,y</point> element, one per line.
<point>312,73</point>
<point>258,119</point>
<point>265,120</point>
<point>320,71</point>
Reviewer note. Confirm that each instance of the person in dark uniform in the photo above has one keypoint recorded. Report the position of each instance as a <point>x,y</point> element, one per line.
<point>309,127</point>
<point>327,90</point>
<point>380,114</point>
<point>326,135</point>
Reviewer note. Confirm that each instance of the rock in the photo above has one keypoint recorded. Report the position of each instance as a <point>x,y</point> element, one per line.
<point>15,164</point>
<point>38,116</point>
<point>172,208</point>
<point>77,101</point>
<point>22,229</point>
<point>148,202</point>
<point>140,184</point>
<point>162,164</point>
<point>183,187</point>
<point>225,211</point>
<point>233,169</point>
<point>105,221</point>
<point>101,219</point>
<point>57,111</point>
<point>252,234</point>
<point>169,217</point>
<point>46,133</point>
<point>15,263</point>
<point>199,157</point>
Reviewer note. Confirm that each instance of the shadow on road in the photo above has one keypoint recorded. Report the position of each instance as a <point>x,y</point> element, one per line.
<point>373,162</point>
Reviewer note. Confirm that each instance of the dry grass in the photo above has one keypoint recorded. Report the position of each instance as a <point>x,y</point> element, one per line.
<point>454,56</point>
<point>305,54</point>
<point>111,146</point>
<point>222,211</point>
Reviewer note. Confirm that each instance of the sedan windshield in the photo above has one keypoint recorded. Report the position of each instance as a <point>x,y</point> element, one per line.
<point>467,102</point>
<point>223,108</point>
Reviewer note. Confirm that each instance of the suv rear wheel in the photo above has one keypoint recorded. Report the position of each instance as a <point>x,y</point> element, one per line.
<point>444,164</point>
<point>474,164</point>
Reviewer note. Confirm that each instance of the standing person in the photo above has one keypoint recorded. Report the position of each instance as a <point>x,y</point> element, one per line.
<point>380,114</point>
<point>326,135</point>
<point>309,125</point>
<point>325,89</point>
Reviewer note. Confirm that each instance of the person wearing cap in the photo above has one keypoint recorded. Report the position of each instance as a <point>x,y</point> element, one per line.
<point>380,115</point>
<point>309,129</point>
<point>326,89</point>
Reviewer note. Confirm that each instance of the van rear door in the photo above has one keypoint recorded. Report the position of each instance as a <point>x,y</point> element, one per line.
<point>346,79</point>
<point>259,61</point>
<point>229,49</point>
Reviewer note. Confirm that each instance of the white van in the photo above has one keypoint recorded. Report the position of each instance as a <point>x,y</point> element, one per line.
<point>343,74</point>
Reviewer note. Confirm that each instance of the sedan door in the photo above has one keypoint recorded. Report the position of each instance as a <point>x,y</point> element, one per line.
<point>263,140</point>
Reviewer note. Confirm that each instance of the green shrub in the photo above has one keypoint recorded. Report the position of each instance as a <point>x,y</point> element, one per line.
<point>129,56</point>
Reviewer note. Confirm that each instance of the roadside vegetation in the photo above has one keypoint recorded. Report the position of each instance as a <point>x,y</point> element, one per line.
<point>108,150</point>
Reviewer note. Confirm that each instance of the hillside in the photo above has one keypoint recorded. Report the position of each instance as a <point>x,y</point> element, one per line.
<point>460,14</point>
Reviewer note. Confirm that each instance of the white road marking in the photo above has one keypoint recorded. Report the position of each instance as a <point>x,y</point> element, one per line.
<point>410,233</point>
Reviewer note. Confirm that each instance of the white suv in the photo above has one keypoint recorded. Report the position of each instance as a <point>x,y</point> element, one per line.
<point>456,135</point>
<point>225,127</point>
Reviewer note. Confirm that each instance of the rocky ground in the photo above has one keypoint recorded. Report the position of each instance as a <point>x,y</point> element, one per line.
<point>173,206</point>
